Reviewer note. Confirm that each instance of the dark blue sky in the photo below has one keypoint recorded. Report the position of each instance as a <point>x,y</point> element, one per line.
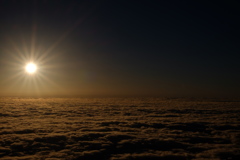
<point>183,48</point>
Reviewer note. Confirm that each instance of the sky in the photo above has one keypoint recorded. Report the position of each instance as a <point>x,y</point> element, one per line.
<point>105,47</point>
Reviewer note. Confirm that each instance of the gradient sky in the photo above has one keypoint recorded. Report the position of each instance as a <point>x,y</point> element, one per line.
<point>105,47</point>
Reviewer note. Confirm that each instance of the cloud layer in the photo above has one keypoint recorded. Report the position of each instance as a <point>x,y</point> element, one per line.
<point>117,129</point>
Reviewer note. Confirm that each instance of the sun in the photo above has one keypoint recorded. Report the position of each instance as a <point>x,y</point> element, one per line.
<point>31,68</point>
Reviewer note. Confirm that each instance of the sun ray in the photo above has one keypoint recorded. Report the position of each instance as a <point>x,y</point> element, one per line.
<point>20,56</point>
<point>29,51</point>
<point>33,39</point>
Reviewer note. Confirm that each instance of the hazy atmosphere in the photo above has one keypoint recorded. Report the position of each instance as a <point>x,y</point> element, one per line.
<point>119,80</point>
<point>166,48</point>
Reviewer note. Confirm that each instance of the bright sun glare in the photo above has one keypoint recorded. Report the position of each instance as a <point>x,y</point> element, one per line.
<point>31,68</point>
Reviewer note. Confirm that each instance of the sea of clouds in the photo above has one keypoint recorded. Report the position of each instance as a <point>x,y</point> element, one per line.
<point>118,129</point>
